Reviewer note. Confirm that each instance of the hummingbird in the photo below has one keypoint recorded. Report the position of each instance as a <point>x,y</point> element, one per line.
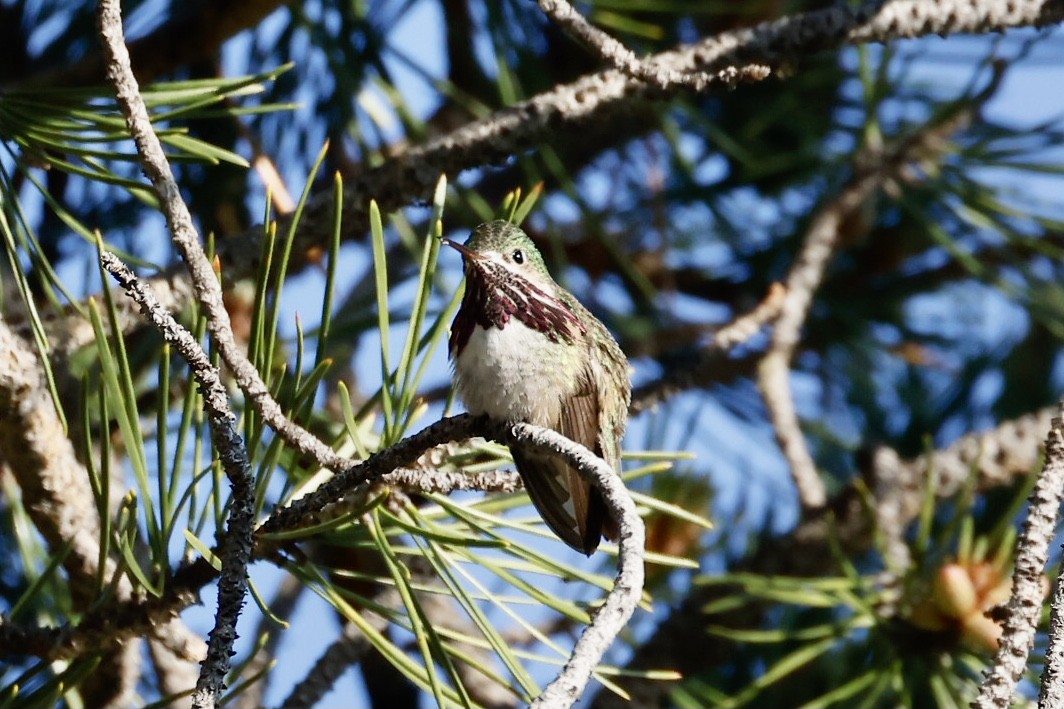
<point>524,350</point>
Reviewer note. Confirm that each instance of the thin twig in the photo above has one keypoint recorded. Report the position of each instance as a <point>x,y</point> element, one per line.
<point>659,76</point>
<point>874,168</point>
<point>745,326</point>
<point>773,379</point>
<point>1024,608</point>
<point>236,542</point>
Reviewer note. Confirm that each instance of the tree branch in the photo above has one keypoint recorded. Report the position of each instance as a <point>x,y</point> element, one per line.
<point>659,76</point>
<point>55,486</point>
<point>621,602</point>
<point>426,480</point>
<point>236,542</point>
<point>874,167</point>
<point>1024,608</point>
<point>802,282</point>
<point>57,495</point>
<point>118,622</point>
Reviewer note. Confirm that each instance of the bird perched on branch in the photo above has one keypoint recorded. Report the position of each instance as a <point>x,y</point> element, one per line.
<point>525,350</point>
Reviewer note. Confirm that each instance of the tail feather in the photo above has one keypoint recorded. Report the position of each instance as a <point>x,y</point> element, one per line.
<point>568,504</point>
<point>598,516</point>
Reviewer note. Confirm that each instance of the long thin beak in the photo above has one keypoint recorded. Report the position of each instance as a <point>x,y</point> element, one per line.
<point>466,252</point>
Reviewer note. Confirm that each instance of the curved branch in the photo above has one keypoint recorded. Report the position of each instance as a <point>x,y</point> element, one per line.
<point>628,587</point>
<point>621,602</point>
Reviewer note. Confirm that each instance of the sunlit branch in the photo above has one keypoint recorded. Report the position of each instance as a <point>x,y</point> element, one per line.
<point>660,77</point>
<point>1024,609</point>
<point>621,602</point>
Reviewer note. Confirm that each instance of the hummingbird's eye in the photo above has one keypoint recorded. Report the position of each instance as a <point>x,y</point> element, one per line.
<point>518,257</point>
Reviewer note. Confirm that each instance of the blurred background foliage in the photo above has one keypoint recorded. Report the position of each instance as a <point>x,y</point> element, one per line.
<point>941,313</point>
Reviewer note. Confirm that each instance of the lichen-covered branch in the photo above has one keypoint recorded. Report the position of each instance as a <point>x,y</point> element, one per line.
<point>236,542</point>
<point>1024,608</point>
<point>653,73</point>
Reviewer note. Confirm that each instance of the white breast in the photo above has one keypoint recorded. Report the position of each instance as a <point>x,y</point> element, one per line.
<point>516,374</point>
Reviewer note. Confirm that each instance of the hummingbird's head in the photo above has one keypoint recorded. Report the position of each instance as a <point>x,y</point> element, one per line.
<point>501,245</point>
<point>507,279</point>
